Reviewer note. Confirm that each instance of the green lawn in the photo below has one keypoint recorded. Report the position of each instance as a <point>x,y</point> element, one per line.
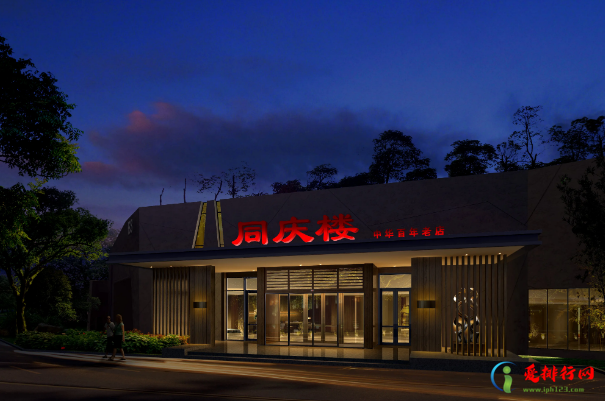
<point>549,360</point>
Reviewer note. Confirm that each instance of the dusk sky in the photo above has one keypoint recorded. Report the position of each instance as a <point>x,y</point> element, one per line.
<point>165,90</point>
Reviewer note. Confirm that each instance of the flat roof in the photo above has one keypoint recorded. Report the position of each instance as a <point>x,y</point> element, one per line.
<point>396,252</point>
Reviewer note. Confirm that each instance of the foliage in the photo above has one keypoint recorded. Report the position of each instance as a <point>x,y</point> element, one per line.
<point>421,173</point>
<point>234,182</point>
<point>321,177</point>
<point>468,157</point>
<point>507,156</point>
<point>287,187</point>
<point>80,271</point>
<point>357,180</point>
<point>527,118</point>
<point>6,296</point>
<point>75,340</point>
<point>17,207</point>
<point>213,183</point>
<point>239,180</point>
<point>50,296</point>
<point>573,143</point>
<point>394,155</point>
<point>57,230</point>
<point>585,211</point>
<point>35,136</point>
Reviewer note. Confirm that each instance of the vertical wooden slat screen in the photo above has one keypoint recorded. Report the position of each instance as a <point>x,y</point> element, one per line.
<point>171,301</point>
<point>485,304</point>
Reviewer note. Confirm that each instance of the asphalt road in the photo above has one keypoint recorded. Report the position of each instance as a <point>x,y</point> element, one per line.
<point>40,376</point>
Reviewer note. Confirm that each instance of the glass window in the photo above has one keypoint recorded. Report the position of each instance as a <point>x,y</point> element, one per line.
<point>235,315</point>
<point>597,329</point>
<point>557,319</point>
<point>395,281</point>
<point>578,316</point>
<point>537,318</point>
<point>251,284</point>
<point>235,284</point>
<point>352,319</point>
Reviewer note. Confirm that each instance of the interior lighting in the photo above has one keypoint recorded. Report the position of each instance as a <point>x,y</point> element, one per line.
<point>499,253</point>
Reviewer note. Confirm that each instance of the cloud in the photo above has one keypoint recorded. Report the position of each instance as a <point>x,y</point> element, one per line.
<point>171,144</point>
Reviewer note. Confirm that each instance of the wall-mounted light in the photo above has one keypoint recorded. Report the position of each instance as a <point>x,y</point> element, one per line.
<point>200,305</point>
<point>426,304</point>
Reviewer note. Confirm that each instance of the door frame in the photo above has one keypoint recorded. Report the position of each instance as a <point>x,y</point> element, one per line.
<point>395,324</point>
<point>313,294</point>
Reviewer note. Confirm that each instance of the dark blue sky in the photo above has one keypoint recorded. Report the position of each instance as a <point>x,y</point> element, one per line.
<point>166,89</point>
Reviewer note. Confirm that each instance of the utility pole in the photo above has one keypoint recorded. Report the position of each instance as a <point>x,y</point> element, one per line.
<point>161,196</point>
<point>184,190</point>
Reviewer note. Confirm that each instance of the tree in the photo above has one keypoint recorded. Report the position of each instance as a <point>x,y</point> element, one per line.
<point>421,172</point>
<point>594,128</point>
<point>214,183</point>
<point>507,156</point>
<point>239,180</point>
<point>395,154</point>
<point>573,143</point>
<point>584,206</point>
<point>357,180</point>
<point>527,118</point>
<point>56,231</point>
<point>35,136</point>
<point>233,181</point>
<point>321,177</point>
<point>49,299</point>
<point>468,157</point>
<point>287,187</point>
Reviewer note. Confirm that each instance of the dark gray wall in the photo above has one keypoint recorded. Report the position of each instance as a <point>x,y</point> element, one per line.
<point>141,296</point>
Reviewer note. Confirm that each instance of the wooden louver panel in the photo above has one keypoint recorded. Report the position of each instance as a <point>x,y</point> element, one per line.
<point>277,280</point>
<point>301,279</point>
<point>316,278</point>
<point>171,301</point>
<point>325,279</point>
<point>475,323</point>
<point>350,278</point>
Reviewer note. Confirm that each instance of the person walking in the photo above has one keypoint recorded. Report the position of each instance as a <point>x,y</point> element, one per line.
<point>109,327</point>
<point>118,338</point>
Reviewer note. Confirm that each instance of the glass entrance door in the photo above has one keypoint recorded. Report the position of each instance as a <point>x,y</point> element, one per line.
<point>241,309</point>
<point>395,316</point>
<point>303,319</point>
<point>325,319</point>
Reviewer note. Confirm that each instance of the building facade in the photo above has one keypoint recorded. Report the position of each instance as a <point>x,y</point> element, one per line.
<point>477,265</point>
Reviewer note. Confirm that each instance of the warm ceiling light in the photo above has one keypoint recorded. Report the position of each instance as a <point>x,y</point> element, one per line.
<point>466,254</point>
<point>170,266</point>
<point>151,267</point>
<point>300,265</point>
<point>320,264</point>
<point>499,253</point>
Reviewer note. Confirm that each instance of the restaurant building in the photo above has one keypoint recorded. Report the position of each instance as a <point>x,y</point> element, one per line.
<point>476,265</point>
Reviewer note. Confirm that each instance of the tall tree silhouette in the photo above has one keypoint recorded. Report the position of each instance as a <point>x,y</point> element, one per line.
<point>468,157</point>
<point>528,136</point>
<point>394,155</point>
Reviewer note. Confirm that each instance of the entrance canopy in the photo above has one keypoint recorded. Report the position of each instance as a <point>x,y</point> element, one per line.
<point>382,254</point>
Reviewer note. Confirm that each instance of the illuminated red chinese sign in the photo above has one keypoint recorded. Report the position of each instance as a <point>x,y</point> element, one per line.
<point>330,229</point>
<point>564,373</point>
<point>411,232</point>
<point>334,229</point>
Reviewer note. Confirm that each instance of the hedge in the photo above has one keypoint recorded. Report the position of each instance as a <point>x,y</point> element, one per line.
<point>75,340</point>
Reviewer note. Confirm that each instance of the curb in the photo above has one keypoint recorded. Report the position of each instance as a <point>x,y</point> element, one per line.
<point>11,344</point>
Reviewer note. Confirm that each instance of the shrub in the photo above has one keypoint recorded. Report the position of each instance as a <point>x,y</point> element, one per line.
<point>77,340</point>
